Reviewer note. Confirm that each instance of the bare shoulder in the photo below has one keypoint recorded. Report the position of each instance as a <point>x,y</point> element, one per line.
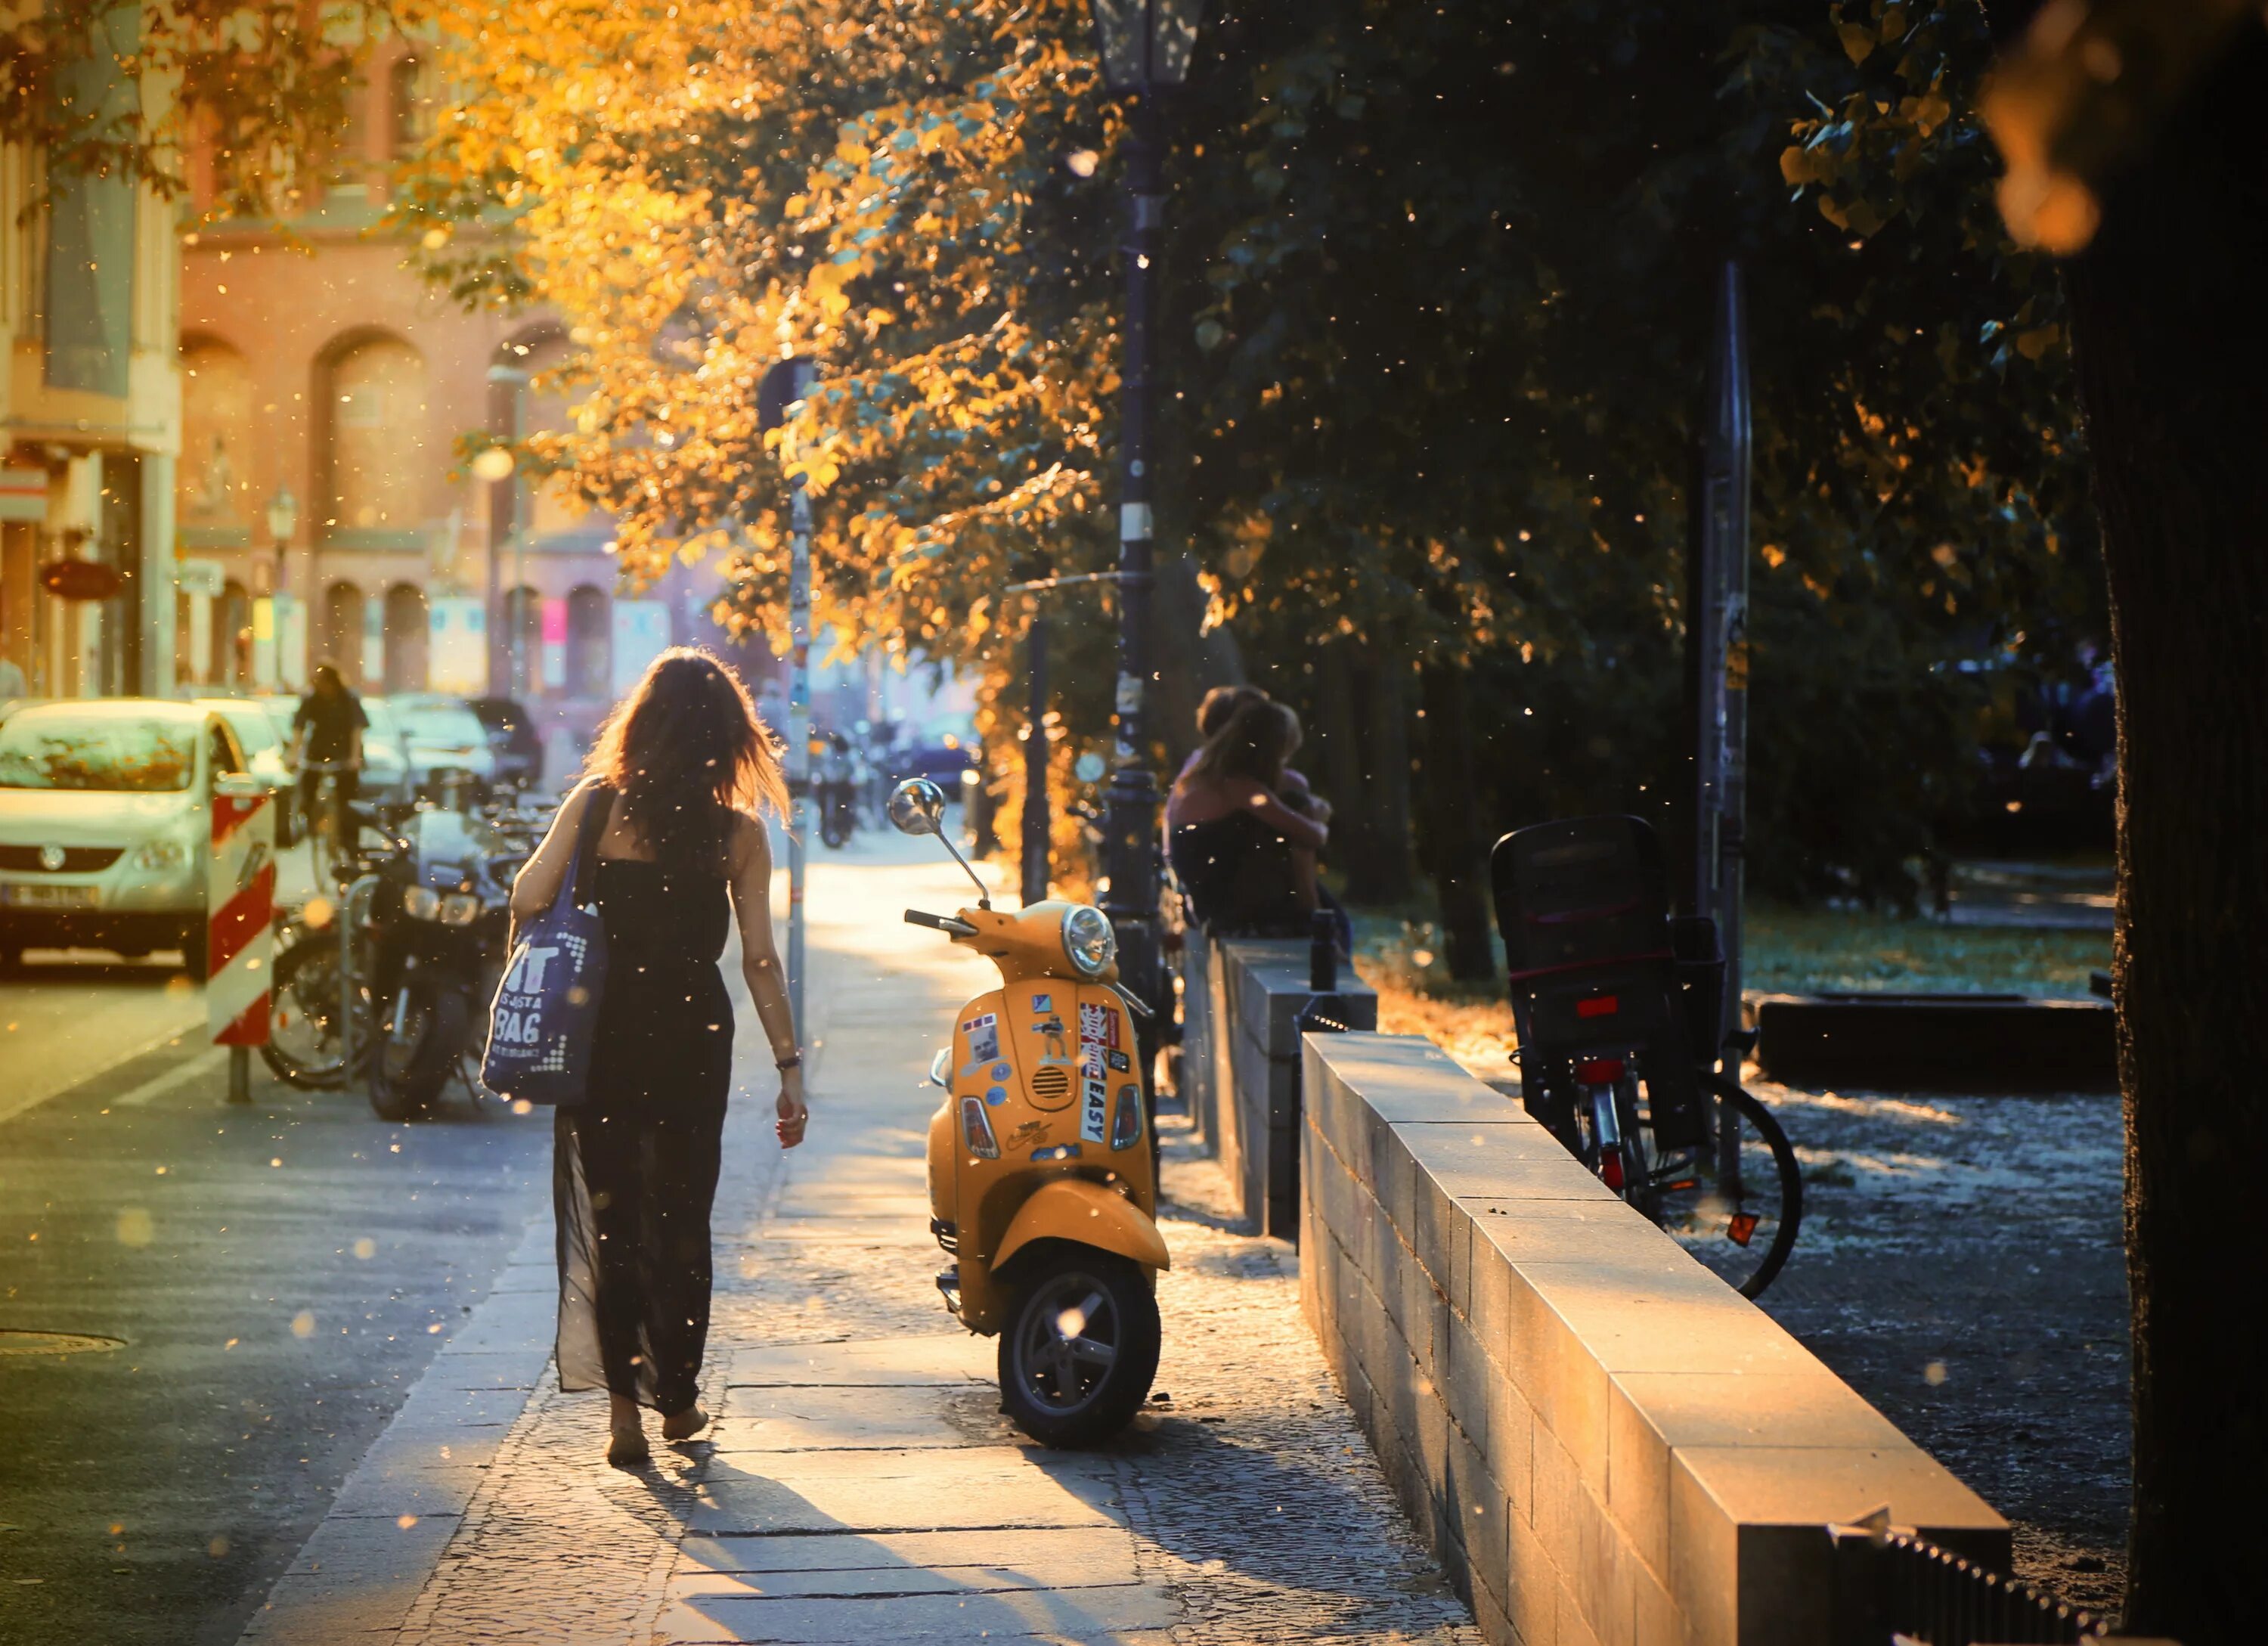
<point>747,840</point>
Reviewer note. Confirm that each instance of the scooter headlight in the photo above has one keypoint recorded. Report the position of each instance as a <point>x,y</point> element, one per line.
<point>421,903</point>
<point>1088,941</point>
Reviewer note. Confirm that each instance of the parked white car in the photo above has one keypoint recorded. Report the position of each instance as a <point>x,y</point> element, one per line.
<point>106,824</point>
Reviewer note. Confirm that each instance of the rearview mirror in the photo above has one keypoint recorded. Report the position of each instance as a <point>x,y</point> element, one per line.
<point>918,806</point>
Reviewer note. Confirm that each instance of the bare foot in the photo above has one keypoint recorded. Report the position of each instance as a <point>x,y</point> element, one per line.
<point>626,1446</point>
<point>684,1425</point>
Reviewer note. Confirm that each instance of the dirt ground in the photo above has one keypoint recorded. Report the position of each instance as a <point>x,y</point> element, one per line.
<point>1961,1265</point>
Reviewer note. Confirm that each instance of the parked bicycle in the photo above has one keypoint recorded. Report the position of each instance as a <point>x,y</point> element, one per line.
<point>1619,1011</point>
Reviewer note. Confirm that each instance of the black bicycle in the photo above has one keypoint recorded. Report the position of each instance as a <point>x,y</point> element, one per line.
<point>1611,998</point>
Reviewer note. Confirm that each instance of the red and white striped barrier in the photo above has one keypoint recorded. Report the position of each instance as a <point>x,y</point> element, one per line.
<point>239,899</point>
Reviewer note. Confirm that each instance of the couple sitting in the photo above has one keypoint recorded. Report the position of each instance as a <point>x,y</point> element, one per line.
<point>1243,829</point>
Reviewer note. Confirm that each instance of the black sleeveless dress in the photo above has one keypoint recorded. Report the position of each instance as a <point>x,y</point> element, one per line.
<point>634,1167</point>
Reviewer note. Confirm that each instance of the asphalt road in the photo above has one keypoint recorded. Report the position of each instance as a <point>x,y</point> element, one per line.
<point>278,1276</point>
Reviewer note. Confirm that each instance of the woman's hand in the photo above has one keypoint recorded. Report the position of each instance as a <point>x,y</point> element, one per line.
<point>794,1111</point>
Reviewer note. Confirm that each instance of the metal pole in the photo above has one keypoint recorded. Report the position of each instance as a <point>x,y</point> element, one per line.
<point>798,738</point>
<point>1131,827</point>
<point>1729,491</point>
<point>1036,847</point>
<point>239,1074</point>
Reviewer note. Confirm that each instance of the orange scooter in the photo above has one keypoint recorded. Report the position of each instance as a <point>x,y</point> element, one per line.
<point>1042,1182</point>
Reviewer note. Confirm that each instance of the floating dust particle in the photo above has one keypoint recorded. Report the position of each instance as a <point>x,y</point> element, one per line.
<point>318,912</point>
<point>405,1521</point>
<point>303,1323</point>
<point>520,1105</point>
<point>217,1547</point>
<point>134,1227</point>
<point>366,1248</point>
<point>1933,1374</point>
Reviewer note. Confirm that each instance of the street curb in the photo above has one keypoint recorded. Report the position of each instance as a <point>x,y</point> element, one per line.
<point>361,1571</point>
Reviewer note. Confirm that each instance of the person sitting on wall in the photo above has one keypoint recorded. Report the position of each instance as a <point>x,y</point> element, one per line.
<point>1214,713</point>
<point>1245,859</point>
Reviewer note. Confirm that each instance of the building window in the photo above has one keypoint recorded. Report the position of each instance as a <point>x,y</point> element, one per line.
<point>408,106</point>
<point>373,445</point>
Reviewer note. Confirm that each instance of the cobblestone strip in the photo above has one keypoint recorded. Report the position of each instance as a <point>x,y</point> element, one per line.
<point>861,1483</point>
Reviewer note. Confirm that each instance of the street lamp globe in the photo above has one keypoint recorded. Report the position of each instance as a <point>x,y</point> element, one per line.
<point>282,516</point>
<point>1147,44</point>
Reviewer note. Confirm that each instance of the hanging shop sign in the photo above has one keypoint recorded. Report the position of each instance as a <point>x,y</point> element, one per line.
<point>80,580</point>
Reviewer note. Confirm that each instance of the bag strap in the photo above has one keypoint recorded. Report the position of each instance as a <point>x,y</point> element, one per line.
<point>582,870</point>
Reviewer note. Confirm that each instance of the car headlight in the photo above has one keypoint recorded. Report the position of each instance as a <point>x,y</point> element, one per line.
<point>163,852</point>
<point>1088,941</point>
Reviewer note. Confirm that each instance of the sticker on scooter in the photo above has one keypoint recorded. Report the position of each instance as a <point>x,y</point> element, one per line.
<point>1043,1005</point>
<point>996,1095</point>
<point>1027,1134</point>
<point>1060,1151</point>
<point>1053,1046</point>
<point>1097,1022</point>
<point>984,1032</point>
<point>1120,1061</point>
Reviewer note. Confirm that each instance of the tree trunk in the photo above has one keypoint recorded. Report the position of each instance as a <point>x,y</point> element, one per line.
<point>2171,344</point>
<point>1339,768</point>
<point>1189,662</point>
<point>1453,833</point>
<point>1384,873</point>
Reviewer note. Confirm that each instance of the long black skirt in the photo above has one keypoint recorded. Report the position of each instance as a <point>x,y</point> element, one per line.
<point>632,1184</point>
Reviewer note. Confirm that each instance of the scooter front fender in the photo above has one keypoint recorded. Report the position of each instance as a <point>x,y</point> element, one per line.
<point>1076,1208</point>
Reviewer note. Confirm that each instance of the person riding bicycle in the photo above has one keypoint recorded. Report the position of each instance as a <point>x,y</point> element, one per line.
<point>326,736</point>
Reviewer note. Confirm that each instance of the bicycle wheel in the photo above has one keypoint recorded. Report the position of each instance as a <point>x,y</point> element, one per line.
<point>306,1044</point>
<point>1736,1202</point>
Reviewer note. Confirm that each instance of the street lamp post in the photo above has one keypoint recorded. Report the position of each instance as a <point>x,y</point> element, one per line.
<point>1145,47</point>
<point>783,389</point>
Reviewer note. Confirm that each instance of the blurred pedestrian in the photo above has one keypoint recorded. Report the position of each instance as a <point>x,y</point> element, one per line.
<point>326,740</point>
<point>686,772</point>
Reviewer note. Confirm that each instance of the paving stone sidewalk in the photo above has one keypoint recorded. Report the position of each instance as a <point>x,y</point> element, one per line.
<point>859,1483</point>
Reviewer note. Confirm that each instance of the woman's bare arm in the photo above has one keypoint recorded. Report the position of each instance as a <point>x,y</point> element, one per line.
<point>1301,831</point>
<point>751,870</point>
<point>540,878</point>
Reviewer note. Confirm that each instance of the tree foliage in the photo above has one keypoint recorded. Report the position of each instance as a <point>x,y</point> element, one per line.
<point>260,85</point>
<point>1434,318</point>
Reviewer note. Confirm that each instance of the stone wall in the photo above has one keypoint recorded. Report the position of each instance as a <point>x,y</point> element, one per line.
<point>1603,1441</point>
<point>1241,1006</point>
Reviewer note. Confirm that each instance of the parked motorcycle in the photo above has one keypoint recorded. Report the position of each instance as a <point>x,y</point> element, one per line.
<point>427,931</point>
<point>1042,1183</point>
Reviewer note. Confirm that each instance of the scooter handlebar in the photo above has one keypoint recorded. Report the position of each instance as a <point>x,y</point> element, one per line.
<point>940,923</point>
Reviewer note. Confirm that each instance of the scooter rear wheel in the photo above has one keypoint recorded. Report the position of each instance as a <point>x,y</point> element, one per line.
<point>1080,1352</point>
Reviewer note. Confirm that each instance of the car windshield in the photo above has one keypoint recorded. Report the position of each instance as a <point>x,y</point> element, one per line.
<point>443,723</point>
<point>111,753</point>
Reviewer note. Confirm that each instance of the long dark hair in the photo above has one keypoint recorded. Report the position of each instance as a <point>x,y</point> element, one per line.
<point>685,750</point>
<point>1255,744</point>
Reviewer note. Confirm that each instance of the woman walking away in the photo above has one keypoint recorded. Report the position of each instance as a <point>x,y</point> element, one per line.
<point>684,770</point>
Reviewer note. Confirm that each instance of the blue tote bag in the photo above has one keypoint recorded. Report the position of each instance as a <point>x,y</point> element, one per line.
<point>547,1008</point>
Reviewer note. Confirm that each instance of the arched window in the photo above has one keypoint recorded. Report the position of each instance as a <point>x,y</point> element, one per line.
<point>374,432</point>
<point>212,486</point>
<point>342,637</point>
<point>590,643</point>
<point>405,638</point>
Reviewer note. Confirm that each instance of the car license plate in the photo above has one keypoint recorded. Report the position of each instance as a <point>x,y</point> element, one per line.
<point>51,897</point>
